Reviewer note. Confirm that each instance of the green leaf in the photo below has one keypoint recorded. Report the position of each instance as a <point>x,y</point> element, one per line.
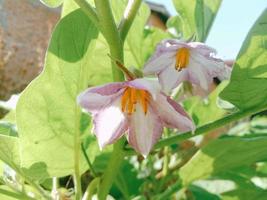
<point>200,109</point>
<point>247,193</point>
<point>248,83</point>
<point>47,114</point>
<point>224,154</point>
<point>37,172</point>
<point>195,17</point>
<point>127,181</point>
<point>52,3</point>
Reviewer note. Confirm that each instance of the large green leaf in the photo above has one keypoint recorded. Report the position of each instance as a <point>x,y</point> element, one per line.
<point>195,17</point>
<point>224,154</point>
<point>248,83</point>
<point>52,3</point>
<point>47,114</point>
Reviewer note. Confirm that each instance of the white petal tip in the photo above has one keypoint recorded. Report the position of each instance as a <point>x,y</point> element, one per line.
<point>145,156</point>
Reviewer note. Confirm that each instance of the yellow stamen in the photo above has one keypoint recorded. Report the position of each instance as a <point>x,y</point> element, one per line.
<point>182,58</point>
<point>144,100</point>
<point>124,99</point>
<point>132,96</point>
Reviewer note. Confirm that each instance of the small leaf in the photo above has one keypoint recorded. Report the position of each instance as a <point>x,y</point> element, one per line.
<point>200,109</point>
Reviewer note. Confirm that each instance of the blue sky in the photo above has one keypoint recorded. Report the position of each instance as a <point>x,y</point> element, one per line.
<point>231,25</point>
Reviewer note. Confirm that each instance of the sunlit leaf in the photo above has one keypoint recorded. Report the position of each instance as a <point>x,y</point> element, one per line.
<point>224,154</point>
<point>194,17</point>
<point>248,83</point>
<point>47,114</point>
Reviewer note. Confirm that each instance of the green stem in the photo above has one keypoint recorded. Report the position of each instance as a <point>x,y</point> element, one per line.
<point>166,159</point>
<point>77,151</point>
<point>111,169</point>
<point>89,11</point>
<point>128,17</point>
<point>171,189</point>
<point>15,195</point>
<point>91,189</point>
<point>88,161</point>
<point>211,126</point>
<point>109,29</point>
<point>203,129</point>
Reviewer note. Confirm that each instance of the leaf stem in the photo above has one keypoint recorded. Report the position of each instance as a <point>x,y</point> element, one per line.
<point>210,126</point>
<point>166,158</point>
<point>128,17</point>
<point>203,129</point>
<point>15,195</point>
<point>91,189</point>
<point>109,29</point>
<point>89,11</point>
<point>171,189</point>
<point>88,161</point>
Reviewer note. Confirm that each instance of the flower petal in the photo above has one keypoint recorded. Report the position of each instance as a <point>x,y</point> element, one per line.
<point>96,98</point>
<point>170,78</point>
<point>159,62</point>
<point>164,56</point>
<point>110,124</point>
<point>202,48</point>
<point>152,86</point>
<point>144,130</point>
<point>107,89</point>
<point>172,114</point>
<point>225,74</point>
<point>173,42</point>
<point>198,74</point>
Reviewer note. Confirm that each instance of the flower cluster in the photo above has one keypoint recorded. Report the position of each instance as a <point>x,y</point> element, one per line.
<point>140,108</point>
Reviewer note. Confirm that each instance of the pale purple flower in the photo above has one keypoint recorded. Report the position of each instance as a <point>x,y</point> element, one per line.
<point>175,61</point>
<point>136,108</point>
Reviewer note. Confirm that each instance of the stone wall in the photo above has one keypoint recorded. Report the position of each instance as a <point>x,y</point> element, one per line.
<point>25,29</point>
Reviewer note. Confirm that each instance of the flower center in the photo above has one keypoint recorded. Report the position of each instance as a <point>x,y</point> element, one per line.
<point>132,96</point>
<point>182,58</point>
